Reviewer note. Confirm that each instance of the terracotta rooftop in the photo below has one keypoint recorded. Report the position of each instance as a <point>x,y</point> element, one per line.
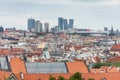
<point>115,47</point>
<point>44,76</point>
<point>17,65</point>
<point>79,66</point>
<point>4,74</point>
<point>85,76</point>
<point>105,69</point>
<point>100,76</point>
<point>114,59</point>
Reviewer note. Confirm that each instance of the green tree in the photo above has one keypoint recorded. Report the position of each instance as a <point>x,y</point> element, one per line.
<point>52,78</point>
<point>61,78</point>
<point>5,78</point>
<point>98,65</point>
<point>76,76</point>
<point>91,79</point>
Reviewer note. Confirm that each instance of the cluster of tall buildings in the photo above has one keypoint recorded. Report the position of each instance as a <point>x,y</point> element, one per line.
<point>37,26</point>
<point>63,25</point>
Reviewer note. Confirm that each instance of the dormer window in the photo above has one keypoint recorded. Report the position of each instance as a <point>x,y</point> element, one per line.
<point>104,78</point>
<point>102,71</point>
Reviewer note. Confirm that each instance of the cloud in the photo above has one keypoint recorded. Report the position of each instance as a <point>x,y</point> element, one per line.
<point>111,3</point>
<point>85,12</point>
<point>89,1</point>
<point>97,2</point>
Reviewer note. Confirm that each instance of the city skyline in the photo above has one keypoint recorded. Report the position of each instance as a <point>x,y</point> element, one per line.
<point>93,14</point>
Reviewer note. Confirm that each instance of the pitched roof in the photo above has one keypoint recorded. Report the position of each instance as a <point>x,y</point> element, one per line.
<point>46,67</point>
<point>100,76</point>
<point>105,69</point>
<point>78,66</point>
<point>97,59</point>
<point>4,74</point>
<point>44,76</point>
<point>86,76</point>
<point>4,52</point>
<point>114,59</point>
<point>115,47</point>
<point>17,65</point>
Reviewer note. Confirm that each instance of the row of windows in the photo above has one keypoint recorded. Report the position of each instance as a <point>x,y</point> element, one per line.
<point>3,51</point>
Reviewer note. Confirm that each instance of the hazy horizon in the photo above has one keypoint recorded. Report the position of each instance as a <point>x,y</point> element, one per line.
<point>93,14</point>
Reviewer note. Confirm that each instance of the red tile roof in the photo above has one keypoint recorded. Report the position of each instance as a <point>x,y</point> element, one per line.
<point>114,59</point>
<point>16,51</point>
<point>78,66</point>
<point>17,65</point>
<point>86,76</point>
<point>4,74</point>
<point>105,69</point>
<point>100,76</point>
<point>115,47</point>
<point>97,59</point>
<point>44,76</point>
<point>4,51</point>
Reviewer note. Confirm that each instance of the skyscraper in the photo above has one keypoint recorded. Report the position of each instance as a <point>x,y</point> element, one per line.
<point>38,26</point>
<point>65,24</point>
<point>1,29</point>
<point>71,23</point>
<point>31,24</point>
<point>105,29</point>
<point>60,23</point>
<point>56,29</point>
<point>41,27</point>
<point>46,26</point>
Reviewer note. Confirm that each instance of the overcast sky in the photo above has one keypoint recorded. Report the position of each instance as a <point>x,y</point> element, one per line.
<point>93,14</point>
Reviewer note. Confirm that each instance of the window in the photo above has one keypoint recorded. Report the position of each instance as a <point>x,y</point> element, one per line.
<point>104,78</point>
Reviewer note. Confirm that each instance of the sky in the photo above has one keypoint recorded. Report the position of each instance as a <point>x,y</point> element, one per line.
<point>93,14</point>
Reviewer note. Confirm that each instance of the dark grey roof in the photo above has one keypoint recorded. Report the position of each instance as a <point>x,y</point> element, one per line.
<point>3,63</point>
<point>45,67</point>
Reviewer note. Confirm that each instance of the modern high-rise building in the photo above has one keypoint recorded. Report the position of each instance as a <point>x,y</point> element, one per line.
<point>71,23</point>
<point>105,29</point>
<point>41,27</point>
<point>56,29</point>
<point>60,23</point>
<point>38,27</point>
<point>1,29</point>
<point>46,26</point>
<point>65,24</point>
<point>53,30</point>
<point>31,24</point>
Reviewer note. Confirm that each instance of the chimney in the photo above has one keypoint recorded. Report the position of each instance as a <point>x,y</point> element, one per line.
<point>22,75</point>
<point>115,41</point>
